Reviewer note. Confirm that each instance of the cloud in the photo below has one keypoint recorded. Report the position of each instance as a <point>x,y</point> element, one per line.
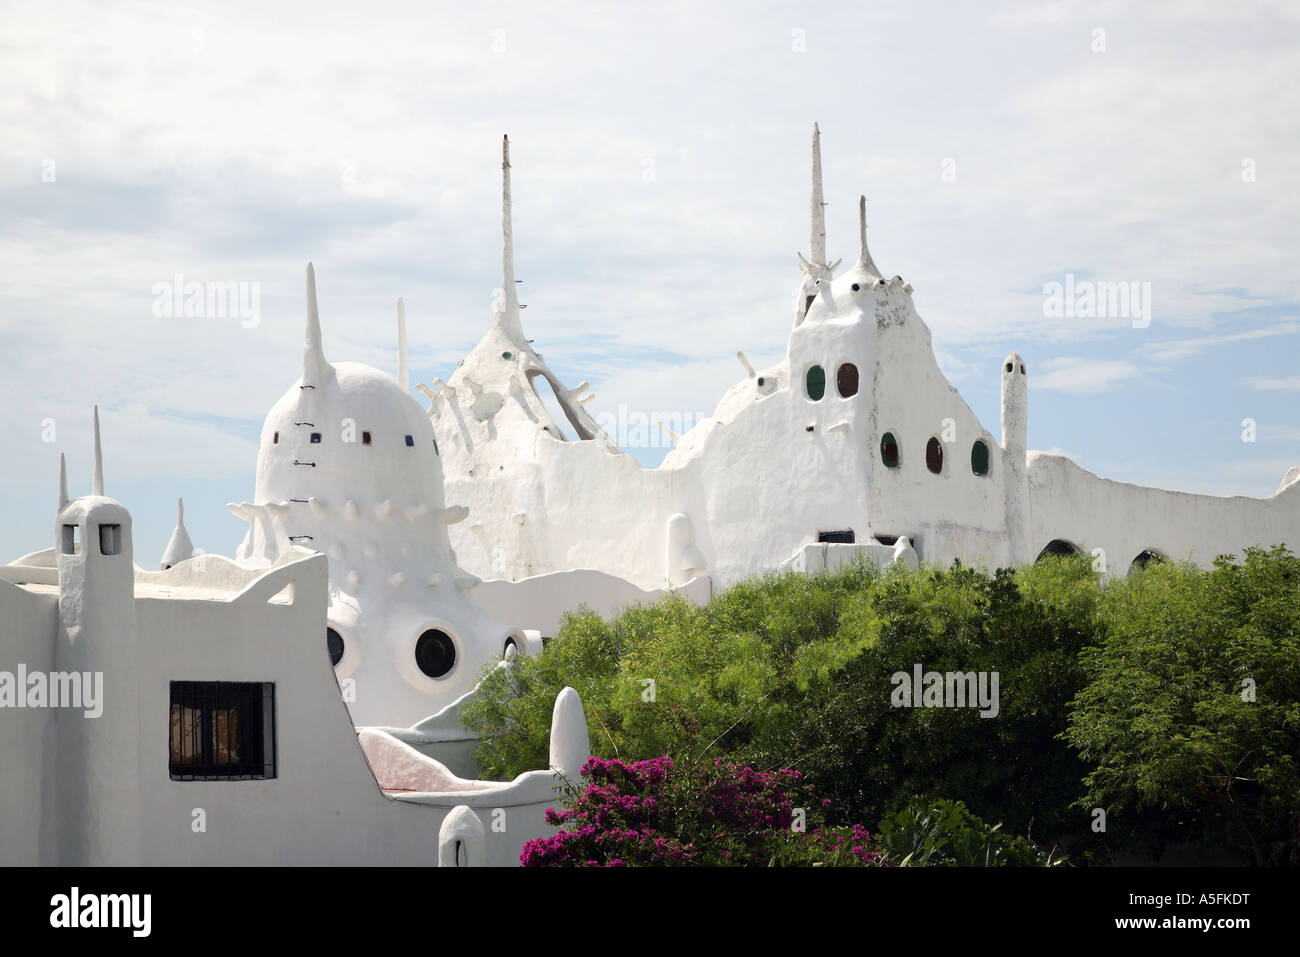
<point>1188,348</point>
<point>1080,376</point>
<point>1274,384</point>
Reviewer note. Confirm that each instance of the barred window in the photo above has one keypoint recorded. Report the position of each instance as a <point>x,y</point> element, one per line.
<point>222,731</point>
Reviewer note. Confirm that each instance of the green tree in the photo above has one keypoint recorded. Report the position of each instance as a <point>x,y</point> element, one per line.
<point>1191,715</point>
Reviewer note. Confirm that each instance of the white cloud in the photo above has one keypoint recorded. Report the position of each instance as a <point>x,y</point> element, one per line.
<point>1079,376</point>
<point>1274,383</point>
<point>1187,348</point>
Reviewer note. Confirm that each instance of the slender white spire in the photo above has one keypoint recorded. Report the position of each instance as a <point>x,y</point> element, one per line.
<point>315,365</point>
<point>98,487</point>
<point>817,267</point>
<point>63,482</point>
<point>403,369</point>
<point>818,244</point>
<point>864,257</point>
<point>507,312</point>
<point>179,547</point>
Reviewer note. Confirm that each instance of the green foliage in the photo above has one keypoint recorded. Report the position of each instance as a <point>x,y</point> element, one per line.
<point>1124,696</point>
<point>946,834</point>
<point>715,670</point>
<point>1179,750</point>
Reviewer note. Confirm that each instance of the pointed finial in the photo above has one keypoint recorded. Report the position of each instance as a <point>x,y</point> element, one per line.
<point>816,270</point>
<point>97,488</point>
<point>314,361</point>
<point>864,257</point>
<point>63,482</point>
<point>818,244</point>
<point>179,547</point>
<point>507,312</point>
<point>403,370</point>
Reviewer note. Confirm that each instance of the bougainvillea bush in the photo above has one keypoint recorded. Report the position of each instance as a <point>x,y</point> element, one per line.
<point>658,813</point>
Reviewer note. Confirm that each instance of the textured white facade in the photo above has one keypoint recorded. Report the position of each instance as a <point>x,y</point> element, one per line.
<point>793,460</point>
<point>83,788</point>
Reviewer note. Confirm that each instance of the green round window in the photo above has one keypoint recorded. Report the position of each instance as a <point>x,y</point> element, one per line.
<point>979,457</point>
<point>507,355</point>
<point>889,450</point>
<point>816,381</point>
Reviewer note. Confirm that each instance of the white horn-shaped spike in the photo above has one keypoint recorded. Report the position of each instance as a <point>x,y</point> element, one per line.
<point>314,362</point>
<point>425,391</point>
<point>447,390</point>
<point>507,312</point>
<point>749,369</point>
<point>453,514</point>
<point>97,486</point>
<point>403,370</point>
<point>818,238</point>
<point>63,482</point>
<point>864,257</point>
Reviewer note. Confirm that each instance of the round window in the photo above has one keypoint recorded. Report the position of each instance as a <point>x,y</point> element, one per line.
<point>934,455</point>
<point>889,450</point>
<point>334,641</point>
<point>435,653</point>
<point>816,381</point>
<point>846,379</point>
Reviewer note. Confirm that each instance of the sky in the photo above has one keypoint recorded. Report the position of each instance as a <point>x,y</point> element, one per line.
<point>660,172</point>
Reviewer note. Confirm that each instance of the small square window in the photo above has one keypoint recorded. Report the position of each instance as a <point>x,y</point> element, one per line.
<point>72,539</point>
<point>315,438</point>
<point>222,731</point>
<point>110,539</point>
<point>365,438</point>
<point>410,441</point>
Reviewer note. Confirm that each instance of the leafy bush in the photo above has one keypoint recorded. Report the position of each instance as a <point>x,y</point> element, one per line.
<point>1190,720</point>
<point>1125,696</point>
<point>946,834</point>
<point>657,813</point>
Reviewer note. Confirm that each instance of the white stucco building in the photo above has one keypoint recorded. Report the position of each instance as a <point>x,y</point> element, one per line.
<point>191,716</point>
<point>855,444</point>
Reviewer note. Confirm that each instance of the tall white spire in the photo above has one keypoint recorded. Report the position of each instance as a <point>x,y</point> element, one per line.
<point>403,369</point>
<point>818,241</point>
<point>506,316</point>
<point>315,365</point>
<point>63,482</point>
<point>864,257</point>
<point>97,488</point>
<point>817,268</point>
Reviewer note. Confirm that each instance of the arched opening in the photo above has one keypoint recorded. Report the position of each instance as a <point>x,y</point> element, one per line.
<point>334,642</point>
<point>1145,558</point>
<point>435,653</point>
<point>979,457</point>
<point>889,450</point>
<point>846,379</point>
<point>1058,547</point>
<point>934,455</point>
<point>568,427</point>
<point>815,380</point>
